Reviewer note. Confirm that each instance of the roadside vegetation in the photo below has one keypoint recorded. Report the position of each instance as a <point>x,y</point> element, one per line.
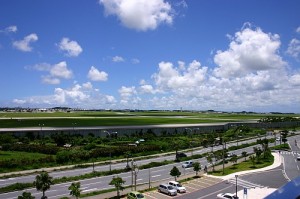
<point>33,151</point>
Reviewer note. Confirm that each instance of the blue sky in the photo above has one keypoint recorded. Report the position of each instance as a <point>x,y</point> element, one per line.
<point>233,55</point>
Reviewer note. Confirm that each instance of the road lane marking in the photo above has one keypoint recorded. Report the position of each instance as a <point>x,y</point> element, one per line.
<point>59,196</point>
<point>214,192</point>
<point>155,176</point>
<point>148,195</point>
<point>283,171</point>
<point>89,190</point>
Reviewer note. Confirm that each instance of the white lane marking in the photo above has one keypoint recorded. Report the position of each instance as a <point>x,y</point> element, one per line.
<point>59,196</point>
<point>155,176</point>
<point>214,192</point>
<point>283,171</point>
<point>89,190</point>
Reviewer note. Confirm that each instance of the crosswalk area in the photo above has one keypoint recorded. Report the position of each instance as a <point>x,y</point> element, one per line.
<point>244,183</point>
<point>290,152</point>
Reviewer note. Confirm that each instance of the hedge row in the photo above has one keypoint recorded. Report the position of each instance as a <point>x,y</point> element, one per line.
<point>13,163</point>
<point>34,148</point>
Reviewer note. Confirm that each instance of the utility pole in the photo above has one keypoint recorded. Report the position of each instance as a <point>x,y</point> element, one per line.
<point>132,175</point>
<point>223,159</point>
<point>149,179</point>
<point>236,177</point>
<point>134,170</point>
<point>110,161</point>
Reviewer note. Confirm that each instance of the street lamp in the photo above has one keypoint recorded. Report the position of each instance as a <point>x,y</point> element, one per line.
<point>41,125</point>
<point>73,127</point>
<point>134,172</point>
<point>191,142</point>
<point>236,177</point>
<point>127,157</point>
<point>223,157</point>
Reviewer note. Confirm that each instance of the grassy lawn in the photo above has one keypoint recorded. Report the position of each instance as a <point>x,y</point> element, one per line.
<point>111,118</point>
<point>17,155</point>
<point>244,166</point>
<point>124,121</point>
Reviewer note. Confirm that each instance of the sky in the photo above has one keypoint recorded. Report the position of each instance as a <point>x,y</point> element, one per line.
<point>229,55</point>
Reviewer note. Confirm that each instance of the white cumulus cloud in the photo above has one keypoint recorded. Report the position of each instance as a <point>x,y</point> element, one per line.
<point>170,77</point>
<point>11,29</point>
<point>118,59</point>
<point>127,92</point>
<point>294,48</point>
<point>61,70</point>
<point>141,15</point>
<point>24,44</point>
<point>19,101</point>
<point>250,50</point>
<point>79,95</point>
<point>135,61</point>
<point>71,48</point>
<point>55,72</point>
<point>95,75</point>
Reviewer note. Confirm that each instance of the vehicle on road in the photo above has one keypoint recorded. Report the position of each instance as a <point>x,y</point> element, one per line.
<point>230,154</point>
<point>298,158</point>
<point>135,195</point>
<point>181,155</point>
<point>177,186</point>
<point>227,196</point>
<point>167,189</point>
<point>187,164</point>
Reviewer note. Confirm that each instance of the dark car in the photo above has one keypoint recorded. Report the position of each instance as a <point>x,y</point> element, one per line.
<point>181,155</point>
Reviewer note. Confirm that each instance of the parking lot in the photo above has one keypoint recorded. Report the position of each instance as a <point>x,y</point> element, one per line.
<point>191,186</point>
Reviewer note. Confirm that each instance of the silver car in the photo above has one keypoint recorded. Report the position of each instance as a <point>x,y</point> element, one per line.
<point>177,186</point>
<point>187,164</point>
<point>167,189</point>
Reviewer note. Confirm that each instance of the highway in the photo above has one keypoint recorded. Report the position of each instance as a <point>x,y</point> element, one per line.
<point>101,183</point>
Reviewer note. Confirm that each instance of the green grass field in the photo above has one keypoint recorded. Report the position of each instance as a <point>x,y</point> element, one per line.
<point>110,118</point>
<point>244,166</point>
<point>17,155</point>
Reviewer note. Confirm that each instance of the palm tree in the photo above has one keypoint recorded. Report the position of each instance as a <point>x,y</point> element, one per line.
<point>257,152</point>
<point>117,182</point>
<point>75,189</point>
<point>209,159</point>
<point>26,195</point>
<point>234,159</point>
<point>175,172</point>
<point>43,182</point>
<point>252,159</point>
<point>197,167</point>
<point>244,154</point>
<point>176,147</point>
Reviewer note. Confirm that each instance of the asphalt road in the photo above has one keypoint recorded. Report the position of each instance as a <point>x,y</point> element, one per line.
<point>156,174</point>
<point>273,178</point>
